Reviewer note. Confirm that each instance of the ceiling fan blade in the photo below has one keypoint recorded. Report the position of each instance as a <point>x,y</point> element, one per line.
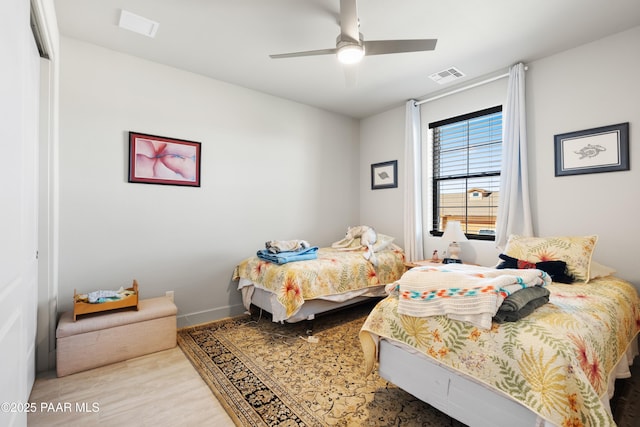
<point>349,21</point>
<point>381,47</point>
<point>305,53</point>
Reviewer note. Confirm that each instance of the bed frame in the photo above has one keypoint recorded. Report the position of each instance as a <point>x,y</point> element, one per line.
<point>264,300</point>
<point>445,389</point>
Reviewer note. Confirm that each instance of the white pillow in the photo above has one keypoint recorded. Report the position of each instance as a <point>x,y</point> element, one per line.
<point>599,270</point>
<point>383,242</point>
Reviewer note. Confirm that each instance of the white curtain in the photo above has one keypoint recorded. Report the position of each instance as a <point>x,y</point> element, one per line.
<point>413,240</point>
<point>514,210</point>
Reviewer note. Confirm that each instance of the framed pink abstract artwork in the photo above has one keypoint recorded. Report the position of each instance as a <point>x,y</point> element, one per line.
<point>160,160</point>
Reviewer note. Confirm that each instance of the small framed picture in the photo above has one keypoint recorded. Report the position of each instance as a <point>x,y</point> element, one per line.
<point>384,175</point>
<point>161,160</point>
<point>603,149</point>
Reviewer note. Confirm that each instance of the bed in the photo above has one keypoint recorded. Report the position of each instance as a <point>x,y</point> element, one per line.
<point>300,290</point>
<point>555,367</point>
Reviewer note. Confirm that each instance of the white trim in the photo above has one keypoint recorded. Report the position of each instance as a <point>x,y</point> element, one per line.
<point>44,16</point>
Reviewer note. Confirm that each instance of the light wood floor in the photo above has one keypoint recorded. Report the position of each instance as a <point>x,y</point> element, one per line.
<point>160,389</point>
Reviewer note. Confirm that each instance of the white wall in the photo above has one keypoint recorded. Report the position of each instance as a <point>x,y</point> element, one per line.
<point>382,140</point>
<point>271,169</point>
<point>589,86</point>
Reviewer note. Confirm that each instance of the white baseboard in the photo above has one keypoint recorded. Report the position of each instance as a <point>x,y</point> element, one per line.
<point>199,317</point>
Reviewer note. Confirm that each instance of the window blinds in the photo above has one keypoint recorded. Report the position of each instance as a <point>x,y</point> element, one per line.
<point>466,170</point>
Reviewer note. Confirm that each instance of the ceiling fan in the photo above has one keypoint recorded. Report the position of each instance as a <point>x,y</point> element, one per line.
<point>351,47</point>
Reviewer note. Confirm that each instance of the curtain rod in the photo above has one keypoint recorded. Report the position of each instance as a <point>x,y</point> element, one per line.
<point>461,89</point>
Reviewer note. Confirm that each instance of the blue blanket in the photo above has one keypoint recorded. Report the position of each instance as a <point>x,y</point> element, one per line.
<point>285,257</point>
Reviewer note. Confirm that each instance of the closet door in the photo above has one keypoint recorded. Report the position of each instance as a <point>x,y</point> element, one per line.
<point>19,95</point>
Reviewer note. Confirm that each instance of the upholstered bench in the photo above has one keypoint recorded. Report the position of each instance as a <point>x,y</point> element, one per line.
<point>100,339</point>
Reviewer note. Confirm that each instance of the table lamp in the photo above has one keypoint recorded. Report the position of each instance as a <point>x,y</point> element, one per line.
<point>453,234</point>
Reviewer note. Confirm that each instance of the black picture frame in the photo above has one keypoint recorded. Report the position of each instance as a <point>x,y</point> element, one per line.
<point>384,175</point>
<point>601,149</point>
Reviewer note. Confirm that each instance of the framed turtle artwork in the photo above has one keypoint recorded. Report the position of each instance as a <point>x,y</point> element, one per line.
<point>602,149</point>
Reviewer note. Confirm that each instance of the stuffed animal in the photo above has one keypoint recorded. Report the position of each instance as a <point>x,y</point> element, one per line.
<point>367,237</point>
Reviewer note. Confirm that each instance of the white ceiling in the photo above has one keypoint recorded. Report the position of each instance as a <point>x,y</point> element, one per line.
<point>230,40</point>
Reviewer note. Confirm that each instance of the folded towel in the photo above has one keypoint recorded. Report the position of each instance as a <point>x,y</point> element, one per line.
<point>285,257</point>
<point>513,316</point>
<point>462,292</point>
<point>520,298</point>
<point>276,246</point>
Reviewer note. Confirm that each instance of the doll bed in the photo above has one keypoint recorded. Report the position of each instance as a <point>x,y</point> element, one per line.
<point>555,367</point>
<point>300,290</point>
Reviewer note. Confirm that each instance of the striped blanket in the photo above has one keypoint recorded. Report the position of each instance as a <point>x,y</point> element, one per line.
<point>462,292</point>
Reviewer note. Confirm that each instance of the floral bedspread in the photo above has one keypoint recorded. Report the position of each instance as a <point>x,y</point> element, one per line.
<point>555,361</point>
<point>333,272</point>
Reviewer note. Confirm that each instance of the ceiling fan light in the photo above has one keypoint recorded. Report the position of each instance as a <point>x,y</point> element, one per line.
<point>350,54</point>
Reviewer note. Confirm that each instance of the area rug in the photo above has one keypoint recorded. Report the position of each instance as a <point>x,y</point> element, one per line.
<point>268,374</point>
<point>265,373</point>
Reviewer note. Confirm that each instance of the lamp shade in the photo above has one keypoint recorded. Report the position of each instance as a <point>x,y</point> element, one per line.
<point>453,232</point>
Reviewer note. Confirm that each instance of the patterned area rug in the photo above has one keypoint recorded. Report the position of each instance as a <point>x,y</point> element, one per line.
<point>264,373</point>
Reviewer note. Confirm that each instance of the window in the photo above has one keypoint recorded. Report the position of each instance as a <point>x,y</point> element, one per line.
<point>467,154</point>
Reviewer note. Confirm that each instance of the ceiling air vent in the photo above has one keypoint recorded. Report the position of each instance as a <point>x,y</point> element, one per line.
<point>138,24</point>
<point>446,76</point>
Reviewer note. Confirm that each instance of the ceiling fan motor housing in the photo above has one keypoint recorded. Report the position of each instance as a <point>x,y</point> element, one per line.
<point>349,51</point>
